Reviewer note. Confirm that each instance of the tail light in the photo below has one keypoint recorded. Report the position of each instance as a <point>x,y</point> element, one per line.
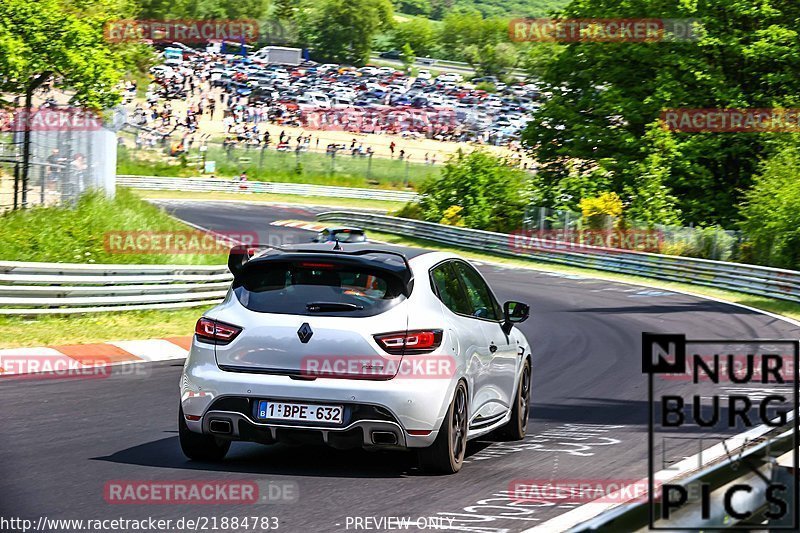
<point>416,341</point>
<point>215,332</point>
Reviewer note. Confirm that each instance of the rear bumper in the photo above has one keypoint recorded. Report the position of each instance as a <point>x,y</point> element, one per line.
<point>358,433</point>
<point>411,410</point>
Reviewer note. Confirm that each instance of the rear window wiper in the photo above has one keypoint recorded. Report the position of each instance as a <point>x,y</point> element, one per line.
<point>317,307</point>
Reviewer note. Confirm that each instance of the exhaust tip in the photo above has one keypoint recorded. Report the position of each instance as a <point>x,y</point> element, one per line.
<point>384,437</point>
<point>220,426</point>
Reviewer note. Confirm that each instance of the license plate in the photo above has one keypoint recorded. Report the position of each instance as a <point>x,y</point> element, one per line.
<point>329,414</point>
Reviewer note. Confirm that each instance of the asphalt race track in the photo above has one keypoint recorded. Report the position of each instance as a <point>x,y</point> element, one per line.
<point>63,440</point>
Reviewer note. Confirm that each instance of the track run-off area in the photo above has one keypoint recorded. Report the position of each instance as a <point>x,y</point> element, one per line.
<point>63,440</point>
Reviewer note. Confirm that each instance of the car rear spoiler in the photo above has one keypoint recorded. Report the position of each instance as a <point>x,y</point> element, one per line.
<point>242,255</point>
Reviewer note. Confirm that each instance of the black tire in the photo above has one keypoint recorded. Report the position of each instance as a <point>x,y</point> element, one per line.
<point>517,427</point>
<point>200,447</point>
<point>446,454</point>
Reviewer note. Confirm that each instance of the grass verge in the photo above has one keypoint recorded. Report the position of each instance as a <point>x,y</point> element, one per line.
<point>98,230</point>
<point>17,332</point>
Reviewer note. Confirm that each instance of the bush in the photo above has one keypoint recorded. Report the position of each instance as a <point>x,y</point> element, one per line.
<point>771,215</point>
<point>410,210</point>
<point>452,216</point>
<point>492,195</point>
<point>600,212</point>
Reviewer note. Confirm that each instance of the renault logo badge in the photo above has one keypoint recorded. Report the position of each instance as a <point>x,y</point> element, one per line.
<point>305,333</point>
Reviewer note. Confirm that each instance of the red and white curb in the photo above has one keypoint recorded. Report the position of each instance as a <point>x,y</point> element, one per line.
<point>78,357</point>
<point>300,224</point>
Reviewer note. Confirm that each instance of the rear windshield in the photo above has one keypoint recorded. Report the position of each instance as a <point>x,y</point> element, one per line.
<point>317,288</point>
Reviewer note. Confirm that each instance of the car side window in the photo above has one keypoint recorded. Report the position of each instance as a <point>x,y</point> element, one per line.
<point>449,289</point>
<point>482,303</point>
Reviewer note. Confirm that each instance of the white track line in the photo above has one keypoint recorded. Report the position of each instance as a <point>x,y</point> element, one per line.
<point>590,510</point>
<point>593,509</point>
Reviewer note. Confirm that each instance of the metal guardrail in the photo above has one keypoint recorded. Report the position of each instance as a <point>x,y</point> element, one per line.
<point>52,288</point>
<point>232,186</point>
<point>757,463</point>
<point>459,67</point>
<point>61,288</point>
<point>749,279</point>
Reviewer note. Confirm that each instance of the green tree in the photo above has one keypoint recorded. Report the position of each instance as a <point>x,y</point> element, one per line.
<point>771,212</point>
<point>203,9</point>
<point>407,56</point>
<point>607,96</point>
<point>649,199</point>
<point>464,28</point>
<point>283,9</point>
<point>418,33</point>
<point>491,59</point>
<point>49,38</point>
<point>341,31</point>
<point>491,194</point>
<point>413,7</point>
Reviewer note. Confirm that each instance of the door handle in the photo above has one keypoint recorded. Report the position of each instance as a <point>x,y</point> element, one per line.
<point>492,348</point>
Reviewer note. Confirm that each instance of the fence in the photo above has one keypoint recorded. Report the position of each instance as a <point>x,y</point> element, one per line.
<point>750,279</point>
<point>453,66</point>
<point>708,243</point>
<point>63,161</point>
<point>233,186</point>
<point>58,288</point>
<point>313,163</point>
<point>41,288</point>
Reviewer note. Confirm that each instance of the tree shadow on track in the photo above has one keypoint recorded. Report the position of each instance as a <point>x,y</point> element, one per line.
<point>278,459</point>
<point>633,413</point>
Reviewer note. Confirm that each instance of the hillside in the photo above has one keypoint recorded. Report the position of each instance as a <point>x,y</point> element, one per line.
<point>436,9</point>
<point>523,8</point>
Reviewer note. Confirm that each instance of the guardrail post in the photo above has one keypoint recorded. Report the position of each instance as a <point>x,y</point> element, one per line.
<point>16,186</point>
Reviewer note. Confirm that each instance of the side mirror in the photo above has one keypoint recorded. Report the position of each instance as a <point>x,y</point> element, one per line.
<point>514,313</point>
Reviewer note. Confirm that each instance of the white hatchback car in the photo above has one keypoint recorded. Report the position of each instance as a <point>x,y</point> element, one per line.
<point>362,347</point>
